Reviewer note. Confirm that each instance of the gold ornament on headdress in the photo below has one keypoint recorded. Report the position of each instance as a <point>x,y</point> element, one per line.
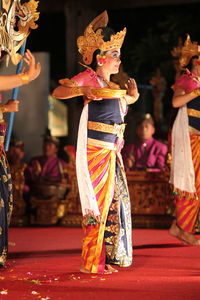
<point>6,4</point>
<point>92,40</point>
<point>29,15</point>
<point>16,20</point>
<point>188,50</point>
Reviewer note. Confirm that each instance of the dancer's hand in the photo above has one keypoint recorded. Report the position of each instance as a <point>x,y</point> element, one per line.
<point>132,89</point>
<point>34,68</point>
<point>11,106</point>
<point>88,95</point>
<point>129,162</point>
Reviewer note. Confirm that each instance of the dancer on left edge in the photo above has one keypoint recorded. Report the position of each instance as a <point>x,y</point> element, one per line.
<point>14,30</point>
<point>6,201</point>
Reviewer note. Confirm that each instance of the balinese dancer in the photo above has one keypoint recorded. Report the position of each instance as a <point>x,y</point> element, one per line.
<point>100,172</point>
<point>185,168</point>
<point>9,44</point>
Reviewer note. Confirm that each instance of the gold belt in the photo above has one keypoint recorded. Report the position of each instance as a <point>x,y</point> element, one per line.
<point>193,112</point>
<point>117,129</point>
<point>193,130</point>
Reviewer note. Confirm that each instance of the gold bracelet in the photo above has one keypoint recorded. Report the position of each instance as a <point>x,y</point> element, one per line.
<point>24,78</point>
<point>3,108</point>
<point>196,92</point>
<point>132,99</point>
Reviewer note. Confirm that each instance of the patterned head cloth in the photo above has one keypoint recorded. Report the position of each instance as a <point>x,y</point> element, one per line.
<point>17,144</point>
<point>145,118</point>
<point>51,139</point>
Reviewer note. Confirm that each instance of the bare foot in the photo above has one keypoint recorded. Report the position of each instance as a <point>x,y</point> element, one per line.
<point>107,272</point>
<point>110,268</point>
<point>84,270</point>
<point>177,232</point>
<point>182,235</point>
<point>190,238</point>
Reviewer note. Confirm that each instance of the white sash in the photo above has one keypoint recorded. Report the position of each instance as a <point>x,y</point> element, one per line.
<point>182,174</point>
<point>86,191</point>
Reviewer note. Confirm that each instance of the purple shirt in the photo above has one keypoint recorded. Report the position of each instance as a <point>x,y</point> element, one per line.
<point>51,169</point>
<point>148,154</point>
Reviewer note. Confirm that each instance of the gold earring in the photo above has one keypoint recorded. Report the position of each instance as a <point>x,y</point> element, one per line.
<point>101,60</point>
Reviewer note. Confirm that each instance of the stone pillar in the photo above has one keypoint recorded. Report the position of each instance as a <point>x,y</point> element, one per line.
<point>31,121</point>
<point>77,18</point>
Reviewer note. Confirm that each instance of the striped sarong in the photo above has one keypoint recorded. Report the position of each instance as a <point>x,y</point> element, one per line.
<point>187,205</point>
<point>101,165</point>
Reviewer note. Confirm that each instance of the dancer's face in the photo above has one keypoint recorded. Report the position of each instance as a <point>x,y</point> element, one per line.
<point>112,61</point>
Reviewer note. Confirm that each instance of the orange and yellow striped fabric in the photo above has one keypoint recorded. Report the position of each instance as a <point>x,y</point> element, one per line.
<point>187,206</point>
<point>101,165</point>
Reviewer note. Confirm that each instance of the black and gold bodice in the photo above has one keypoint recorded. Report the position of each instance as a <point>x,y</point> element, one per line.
<point>193,108</point>
<point>106,111</point>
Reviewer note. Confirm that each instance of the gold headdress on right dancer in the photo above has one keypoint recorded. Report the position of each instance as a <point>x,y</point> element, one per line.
<point>93,39</point>
<point>188,50</point>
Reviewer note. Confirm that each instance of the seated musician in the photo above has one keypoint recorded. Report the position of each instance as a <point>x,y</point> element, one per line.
<point>146,153</point>
<point>15,157</point>
<point>15,153</point>
<point>46,169</point>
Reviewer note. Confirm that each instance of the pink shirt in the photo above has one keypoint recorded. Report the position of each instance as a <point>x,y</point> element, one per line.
<point>187,81</point>
<point>87,78</point>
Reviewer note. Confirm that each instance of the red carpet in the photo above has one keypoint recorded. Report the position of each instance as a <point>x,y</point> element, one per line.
<point>44,264</point>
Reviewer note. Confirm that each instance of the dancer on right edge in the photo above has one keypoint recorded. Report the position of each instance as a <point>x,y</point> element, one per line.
<point>185,167</point>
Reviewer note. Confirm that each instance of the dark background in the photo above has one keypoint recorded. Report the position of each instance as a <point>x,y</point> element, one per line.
<point>153,29</point>
<point>152,32</point>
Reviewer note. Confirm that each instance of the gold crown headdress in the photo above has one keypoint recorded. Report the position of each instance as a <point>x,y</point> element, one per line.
<point>92,40</point>
<point>188,50</point>
<point>16,20</point>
